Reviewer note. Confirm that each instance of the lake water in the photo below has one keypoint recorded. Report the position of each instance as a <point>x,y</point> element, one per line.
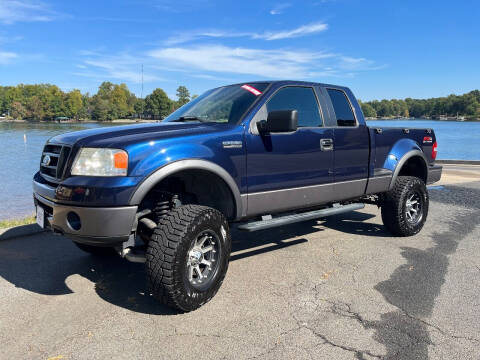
<point>19,159</point>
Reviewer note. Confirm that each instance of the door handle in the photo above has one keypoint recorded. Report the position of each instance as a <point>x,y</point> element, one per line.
<point>326,144</point>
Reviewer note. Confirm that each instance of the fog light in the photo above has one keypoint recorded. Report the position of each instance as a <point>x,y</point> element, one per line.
<point>74,221</point>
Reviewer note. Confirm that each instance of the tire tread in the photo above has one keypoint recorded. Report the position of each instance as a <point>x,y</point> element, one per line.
<point>392,207</point>
<point>163,247</point>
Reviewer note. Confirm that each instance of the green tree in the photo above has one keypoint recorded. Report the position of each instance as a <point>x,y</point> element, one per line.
<point>158,103</point>
<point>112,101</point>
<point>385,108</point>
<point>183,95</point>
<point>18,111</point>
<point>101,109</point>
<point>74,104</point>
<point>368,110</point>
<point>119,104</point>
<point>35,108</point>
<point>55,105</point>
<point>139,107</point>
<point>4,105</point>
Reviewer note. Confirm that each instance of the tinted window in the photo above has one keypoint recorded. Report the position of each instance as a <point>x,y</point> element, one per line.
<point>343,111</point>
<point>222,105</point>
<point>301,99</point>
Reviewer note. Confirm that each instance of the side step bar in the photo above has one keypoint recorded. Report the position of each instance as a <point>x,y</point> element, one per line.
<point>294,218</point>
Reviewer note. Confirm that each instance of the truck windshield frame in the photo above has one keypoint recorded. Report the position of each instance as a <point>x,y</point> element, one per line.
<point>223,105</point>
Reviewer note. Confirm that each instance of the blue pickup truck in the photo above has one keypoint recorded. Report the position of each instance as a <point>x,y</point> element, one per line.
<point>251,156</point>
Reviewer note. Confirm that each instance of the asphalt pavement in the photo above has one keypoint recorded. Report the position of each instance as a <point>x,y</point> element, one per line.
<point>337,288</point>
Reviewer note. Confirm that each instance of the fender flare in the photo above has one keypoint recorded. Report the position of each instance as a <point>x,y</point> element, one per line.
<point>188,164</point>
<point>402,162</point>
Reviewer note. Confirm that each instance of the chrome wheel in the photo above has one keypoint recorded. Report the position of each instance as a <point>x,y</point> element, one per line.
<point>413,208</point>
<point>202,260</point>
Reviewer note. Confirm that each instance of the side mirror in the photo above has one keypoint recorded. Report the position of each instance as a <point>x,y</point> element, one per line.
<point>279,121</point>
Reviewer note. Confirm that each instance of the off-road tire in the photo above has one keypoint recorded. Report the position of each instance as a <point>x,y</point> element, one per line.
<point>96,250</point>
<point>394,206</point>
<point>168,252</point>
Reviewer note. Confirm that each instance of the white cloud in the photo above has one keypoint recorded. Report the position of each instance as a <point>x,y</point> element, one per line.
<point>267,35</point>
<point>5,39</point>
<point>279,9</point>
<point>12,11</point>
<point>183,37</point>
<point>300,31</point>
<point>6,57</point>
<point>122,20</point>
<point>210,77</point>
<point>259,62</point>
<point>216,62</point>
<point>122,67</point>
<point>211,60</point>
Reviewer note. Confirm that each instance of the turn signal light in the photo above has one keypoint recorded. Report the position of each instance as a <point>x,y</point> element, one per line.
<point>120,160</point>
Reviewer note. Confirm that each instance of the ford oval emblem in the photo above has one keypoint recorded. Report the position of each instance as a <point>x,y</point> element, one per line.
<point>46,160</point>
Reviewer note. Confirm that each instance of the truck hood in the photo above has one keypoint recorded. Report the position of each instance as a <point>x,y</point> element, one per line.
<point>126,134</point>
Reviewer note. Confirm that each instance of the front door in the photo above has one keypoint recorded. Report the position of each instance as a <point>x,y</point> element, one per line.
<point>290,170</point>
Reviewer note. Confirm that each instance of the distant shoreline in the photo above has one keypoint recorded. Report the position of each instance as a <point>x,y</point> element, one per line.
<point>116,121</point>
<point>135,121</point>
<point>408,119</point>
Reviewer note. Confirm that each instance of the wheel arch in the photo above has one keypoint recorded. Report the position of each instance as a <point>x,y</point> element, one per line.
<point>190,164</point>
<point>412,163</point>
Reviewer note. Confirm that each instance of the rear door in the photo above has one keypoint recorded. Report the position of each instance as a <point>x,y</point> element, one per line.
<point>351,144</point>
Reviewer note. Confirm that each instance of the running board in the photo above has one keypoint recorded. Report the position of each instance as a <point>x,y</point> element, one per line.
<point>294,218</point>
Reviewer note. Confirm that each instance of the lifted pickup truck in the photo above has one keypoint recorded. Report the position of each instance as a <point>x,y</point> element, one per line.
<point>253,156</point>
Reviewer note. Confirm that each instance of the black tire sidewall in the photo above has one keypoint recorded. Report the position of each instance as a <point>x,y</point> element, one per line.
<point>168,251</point>
<point>190,297</point>
<point>393,208</point>
<point>415,185</point>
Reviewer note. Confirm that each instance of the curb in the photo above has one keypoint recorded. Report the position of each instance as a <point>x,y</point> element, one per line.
<point>18,231</point>
<point>458,162</point>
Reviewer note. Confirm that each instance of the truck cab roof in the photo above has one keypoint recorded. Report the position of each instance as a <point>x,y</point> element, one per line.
<point>279,83</point>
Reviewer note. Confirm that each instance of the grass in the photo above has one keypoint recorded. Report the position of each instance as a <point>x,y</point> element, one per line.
<point>17,222</point>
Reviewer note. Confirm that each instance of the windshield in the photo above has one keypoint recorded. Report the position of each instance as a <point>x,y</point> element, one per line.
<point>222,105</point>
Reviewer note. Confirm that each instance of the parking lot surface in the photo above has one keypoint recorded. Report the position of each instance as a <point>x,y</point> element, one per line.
<point>337,288</point>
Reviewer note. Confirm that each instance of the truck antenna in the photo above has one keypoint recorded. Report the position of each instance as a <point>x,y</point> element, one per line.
<point>141,94</point>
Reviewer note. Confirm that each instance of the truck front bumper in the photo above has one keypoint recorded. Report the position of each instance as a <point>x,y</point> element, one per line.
<point>100,226</point>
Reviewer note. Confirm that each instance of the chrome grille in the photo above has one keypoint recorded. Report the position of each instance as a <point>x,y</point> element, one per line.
<point>53,161</point>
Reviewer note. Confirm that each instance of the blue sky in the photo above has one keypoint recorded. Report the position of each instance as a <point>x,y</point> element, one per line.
<point>380,49</point>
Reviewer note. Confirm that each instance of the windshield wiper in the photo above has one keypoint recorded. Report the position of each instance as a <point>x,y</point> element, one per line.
<point>190,118</point>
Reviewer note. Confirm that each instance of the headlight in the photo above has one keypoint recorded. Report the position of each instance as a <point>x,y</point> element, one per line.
<point>100,162</point>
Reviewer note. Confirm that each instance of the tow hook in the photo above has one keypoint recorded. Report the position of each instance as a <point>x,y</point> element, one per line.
<point>131,252</point>
<point>134,255</point>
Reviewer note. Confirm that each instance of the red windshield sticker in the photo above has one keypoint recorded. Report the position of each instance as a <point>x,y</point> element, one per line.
<point>252,90</point>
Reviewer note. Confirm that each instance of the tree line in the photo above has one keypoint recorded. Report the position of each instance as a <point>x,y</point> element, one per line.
<point>466,105</point>
<point>115,101</point>
<point>112,101</point>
